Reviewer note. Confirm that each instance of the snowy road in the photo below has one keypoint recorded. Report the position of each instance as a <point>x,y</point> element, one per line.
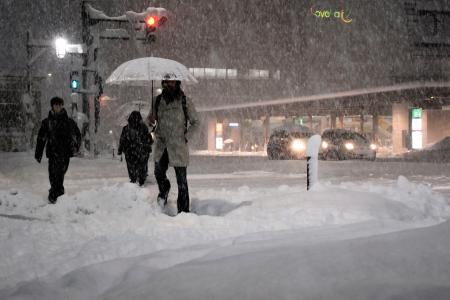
<point>107,239</point>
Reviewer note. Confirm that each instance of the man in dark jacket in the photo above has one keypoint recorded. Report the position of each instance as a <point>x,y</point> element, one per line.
<point>61,138</point>
<point>136,143</point>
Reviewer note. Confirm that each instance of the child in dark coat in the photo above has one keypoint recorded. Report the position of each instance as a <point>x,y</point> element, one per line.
<point>136,144</point>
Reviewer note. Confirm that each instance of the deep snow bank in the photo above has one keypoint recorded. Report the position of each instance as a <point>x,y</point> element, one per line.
<point>123,220</point>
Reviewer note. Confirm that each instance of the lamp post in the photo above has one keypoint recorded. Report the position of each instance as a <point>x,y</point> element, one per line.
<point>60,47</point>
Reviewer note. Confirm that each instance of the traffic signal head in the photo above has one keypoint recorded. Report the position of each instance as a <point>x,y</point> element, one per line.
<point>74,84</point>
<point>75,81</point>
<point>148,22</point>
<point>153,22</point>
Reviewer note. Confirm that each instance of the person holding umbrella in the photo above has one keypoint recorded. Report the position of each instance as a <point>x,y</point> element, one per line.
<point>173,114</point>
<point>175,121</point>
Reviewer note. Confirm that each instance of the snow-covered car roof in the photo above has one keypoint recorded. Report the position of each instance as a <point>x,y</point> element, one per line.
<point>291,128</point>
<point>340,133</point>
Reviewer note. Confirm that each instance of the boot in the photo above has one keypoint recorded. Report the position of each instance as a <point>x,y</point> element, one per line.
<point>162,197</point>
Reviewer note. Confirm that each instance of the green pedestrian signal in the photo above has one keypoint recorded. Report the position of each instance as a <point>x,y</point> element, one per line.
<point>74,84</point>
<point>75,81</point>
<point>416,113</point>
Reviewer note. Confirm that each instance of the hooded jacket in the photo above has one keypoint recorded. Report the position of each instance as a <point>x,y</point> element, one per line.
<point>135,140</point>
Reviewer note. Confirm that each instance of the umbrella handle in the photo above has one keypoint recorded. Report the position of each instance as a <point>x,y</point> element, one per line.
<point>151,118</point>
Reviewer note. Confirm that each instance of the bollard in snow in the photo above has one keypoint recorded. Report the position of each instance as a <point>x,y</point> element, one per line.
<point>312,156</point>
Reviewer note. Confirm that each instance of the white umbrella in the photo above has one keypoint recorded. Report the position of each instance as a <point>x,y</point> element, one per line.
<point>142,72</point>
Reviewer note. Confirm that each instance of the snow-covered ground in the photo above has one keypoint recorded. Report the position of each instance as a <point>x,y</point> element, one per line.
<point>369,230</point>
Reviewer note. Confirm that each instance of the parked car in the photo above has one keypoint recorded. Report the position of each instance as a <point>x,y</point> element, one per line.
<point>339,144</point>
<point>288,142</point>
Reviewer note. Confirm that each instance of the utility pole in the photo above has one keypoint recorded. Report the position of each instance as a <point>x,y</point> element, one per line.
<point>30,97</point>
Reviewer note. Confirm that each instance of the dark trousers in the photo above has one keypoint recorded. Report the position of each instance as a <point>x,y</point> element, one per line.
<point>57,168</point>
<point>164,184</point>
<point>137,169</point>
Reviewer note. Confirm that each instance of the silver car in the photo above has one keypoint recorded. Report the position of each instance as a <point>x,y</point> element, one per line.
<point>340,144</point>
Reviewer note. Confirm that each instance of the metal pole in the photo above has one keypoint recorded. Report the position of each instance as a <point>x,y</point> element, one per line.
<point>88,100</point>
<point>85,38</point>
<point>308,180</point>
<point>29,54</point>
<point>152,97</point>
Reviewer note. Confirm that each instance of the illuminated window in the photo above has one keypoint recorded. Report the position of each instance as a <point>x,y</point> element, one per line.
<point>219,129</point>
<point>210,72</point>
<point>221,73</point>
<point>416,139</point>
<point>199,72</point>
<point>253,74</point>
<point>264,73</point>
<point>219,143</point>
<point>258,74</point>
<point>232,73</point>
<point>219,138</point>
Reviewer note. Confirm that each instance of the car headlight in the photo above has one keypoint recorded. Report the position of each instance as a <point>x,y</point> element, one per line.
<point>324,145</point>
<point>349,146</point>
<point>373,146</point>
<point>298,145</point>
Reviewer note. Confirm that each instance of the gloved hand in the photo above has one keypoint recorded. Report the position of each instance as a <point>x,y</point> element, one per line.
<point>151,120</point>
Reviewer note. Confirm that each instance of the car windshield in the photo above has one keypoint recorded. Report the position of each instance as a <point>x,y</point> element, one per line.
<point>346,135</point>
<point>357,138</point>
<point>294,134</point>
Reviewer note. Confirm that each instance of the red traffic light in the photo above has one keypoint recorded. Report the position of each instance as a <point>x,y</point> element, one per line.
<point>155,21</point>
<point>151,21</point>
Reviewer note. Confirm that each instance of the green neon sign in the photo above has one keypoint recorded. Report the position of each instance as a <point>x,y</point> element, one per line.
<point>416,113</point>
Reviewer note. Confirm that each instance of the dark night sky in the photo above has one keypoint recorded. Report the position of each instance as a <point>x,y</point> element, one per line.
<point>314,55</point>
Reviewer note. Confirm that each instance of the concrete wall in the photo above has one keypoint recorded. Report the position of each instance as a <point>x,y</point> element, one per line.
<point>400,122</point>
<point>211,133</point>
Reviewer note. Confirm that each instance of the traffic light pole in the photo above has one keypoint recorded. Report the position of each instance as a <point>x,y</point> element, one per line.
<point>87,105</point>
<point>91,18</point>
<point>91,88</point>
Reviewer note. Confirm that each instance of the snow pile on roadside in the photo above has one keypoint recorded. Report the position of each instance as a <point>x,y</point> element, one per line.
<point>273,208</point>
<point>419,198</point>
<point>123,220</point>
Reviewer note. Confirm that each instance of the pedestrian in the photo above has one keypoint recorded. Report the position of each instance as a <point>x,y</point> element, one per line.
<point>176,122</point>
<point>61,137</point>
<point>136,143</point>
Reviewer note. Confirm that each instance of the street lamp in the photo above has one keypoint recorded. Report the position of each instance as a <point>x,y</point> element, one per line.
<point>60,45</point>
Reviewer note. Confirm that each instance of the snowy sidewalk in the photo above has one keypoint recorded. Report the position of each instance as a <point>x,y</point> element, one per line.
<point>255,233</point>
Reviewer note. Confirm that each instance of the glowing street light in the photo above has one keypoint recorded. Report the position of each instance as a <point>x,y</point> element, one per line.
<point>60,45</point>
